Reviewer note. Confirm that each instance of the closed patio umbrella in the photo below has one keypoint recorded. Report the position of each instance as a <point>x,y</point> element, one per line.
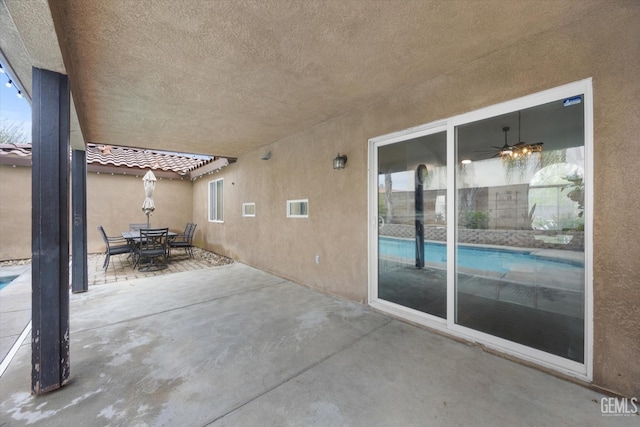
<point>149,181</point>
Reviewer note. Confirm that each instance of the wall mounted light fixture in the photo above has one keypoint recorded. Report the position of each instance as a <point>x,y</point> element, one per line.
<point>340,161</point>
<point>266,155</point>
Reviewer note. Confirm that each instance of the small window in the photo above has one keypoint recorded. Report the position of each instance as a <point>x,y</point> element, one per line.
<point>249,209</point>
<point>216,200</point>
<point>298,208</point>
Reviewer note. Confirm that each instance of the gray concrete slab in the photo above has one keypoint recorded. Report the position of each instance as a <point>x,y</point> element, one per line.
<point>15,305</point>
<point>236,346</point>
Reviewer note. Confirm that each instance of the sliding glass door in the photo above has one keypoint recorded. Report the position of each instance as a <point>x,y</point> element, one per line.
<point>520,227</point>
<point>481,226</point>
<point>411,199</point>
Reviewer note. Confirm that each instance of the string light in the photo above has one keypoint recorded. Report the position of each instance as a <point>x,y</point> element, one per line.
<point>10,83</point>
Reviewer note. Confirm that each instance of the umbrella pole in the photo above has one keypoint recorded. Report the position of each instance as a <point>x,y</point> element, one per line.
<point>147,219</point>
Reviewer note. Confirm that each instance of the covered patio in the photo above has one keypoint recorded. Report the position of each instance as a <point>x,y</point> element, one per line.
<point>234,345</point>
<point>280,92</point>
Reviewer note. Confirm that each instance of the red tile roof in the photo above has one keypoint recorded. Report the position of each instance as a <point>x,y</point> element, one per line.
<point>15,150</point>
<point>113,155</point>
<point>15,154</point>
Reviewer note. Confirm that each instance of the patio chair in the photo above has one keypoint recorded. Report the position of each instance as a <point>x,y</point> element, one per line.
<point>152,246</point>
<point>137,226</point>
<point>115,246</point>
<point>184,240</point>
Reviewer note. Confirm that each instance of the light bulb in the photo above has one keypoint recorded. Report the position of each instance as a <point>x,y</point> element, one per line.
<point>9,83</point>
<point>19,94</point>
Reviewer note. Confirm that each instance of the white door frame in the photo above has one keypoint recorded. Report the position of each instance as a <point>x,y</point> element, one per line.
<point>584,370</point>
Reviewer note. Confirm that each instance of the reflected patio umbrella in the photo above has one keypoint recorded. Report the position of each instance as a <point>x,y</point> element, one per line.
<point>149,181</point>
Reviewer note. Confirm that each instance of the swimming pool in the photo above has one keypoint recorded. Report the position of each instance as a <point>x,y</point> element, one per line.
<point>492,259</point>
<point>4,281</point>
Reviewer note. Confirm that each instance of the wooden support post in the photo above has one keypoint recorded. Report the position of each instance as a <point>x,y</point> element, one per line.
<point>50,231</point>
<point>79,270</point>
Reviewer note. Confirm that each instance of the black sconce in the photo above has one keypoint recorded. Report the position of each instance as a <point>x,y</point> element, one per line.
<point>340,161</point>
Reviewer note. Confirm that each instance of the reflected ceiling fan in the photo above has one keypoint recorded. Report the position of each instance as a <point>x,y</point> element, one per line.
<point>519,150</point>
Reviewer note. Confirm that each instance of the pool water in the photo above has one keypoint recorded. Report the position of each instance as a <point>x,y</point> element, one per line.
<point>477,258</point>
<point>4,281</point>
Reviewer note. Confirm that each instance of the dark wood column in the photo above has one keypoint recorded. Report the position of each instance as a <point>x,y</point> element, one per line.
<point>50,231</point>
<point>79,273</point>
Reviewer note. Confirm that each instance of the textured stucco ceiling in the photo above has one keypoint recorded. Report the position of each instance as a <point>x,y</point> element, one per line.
<point>227,77</point>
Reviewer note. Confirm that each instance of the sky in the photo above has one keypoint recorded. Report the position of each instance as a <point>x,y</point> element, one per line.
<point>14,110</point>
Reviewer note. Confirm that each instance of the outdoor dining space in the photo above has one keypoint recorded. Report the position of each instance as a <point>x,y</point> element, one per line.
<point>148,249</point>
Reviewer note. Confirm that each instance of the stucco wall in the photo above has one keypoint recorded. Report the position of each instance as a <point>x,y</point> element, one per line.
<point>300,168</point>
<point>15,212</point>
<point>603,46</point>
<point>115,201</point>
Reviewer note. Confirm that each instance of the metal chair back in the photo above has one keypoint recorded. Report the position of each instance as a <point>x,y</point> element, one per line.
<point>153,244</point>
<point>153,240</point>
<point>114,246</point>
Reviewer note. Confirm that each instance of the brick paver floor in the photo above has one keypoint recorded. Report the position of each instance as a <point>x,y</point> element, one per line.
<point>121,266</point>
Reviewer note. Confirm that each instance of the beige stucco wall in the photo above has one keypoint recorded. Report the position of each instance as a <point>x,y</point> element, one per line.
<point>115,201</point>
<point>300,168</point>
<point>15,212</point>
<point>604,46</point>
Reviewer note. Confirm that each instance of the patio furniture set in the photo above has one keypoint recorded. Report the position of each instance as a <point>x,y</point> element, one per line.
<point>149,247</point>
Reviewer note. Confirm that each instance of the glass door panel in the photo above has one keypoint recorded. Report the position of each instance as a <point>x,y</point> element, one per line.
<point>412,235</point>
<point>519,241</point>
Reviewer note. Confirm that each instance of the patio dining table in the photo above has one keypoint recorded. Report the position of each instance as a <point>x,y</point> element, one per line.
<point>133,237</point>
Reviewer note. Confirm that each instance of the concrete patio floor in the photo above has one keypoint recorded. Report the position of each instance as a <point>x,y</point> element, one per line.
<point>15,301</point>
<point>235,346</point>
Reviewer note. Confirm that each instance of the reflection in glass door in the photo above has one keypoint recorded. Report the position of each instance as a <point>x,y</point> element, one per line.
<point>484,226</point>
<point>520,227</point>
<point>412,263</point>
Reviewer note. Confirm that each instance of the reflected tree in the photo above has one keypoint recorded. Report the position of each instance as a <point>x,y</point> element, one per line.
<point>12,133</point>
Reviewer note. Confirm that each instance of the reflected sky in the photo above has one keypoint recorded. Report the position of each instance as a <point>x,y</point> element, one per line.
<point>14,111</point>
